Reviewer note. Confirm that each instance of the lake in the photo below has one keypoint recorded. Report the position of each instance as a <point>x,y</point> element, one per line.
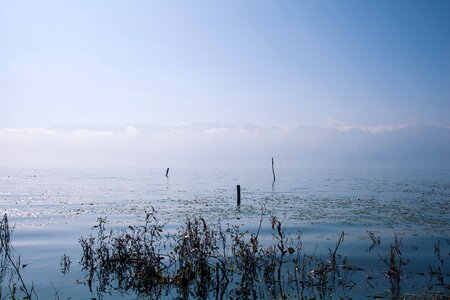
<point>50,209</point>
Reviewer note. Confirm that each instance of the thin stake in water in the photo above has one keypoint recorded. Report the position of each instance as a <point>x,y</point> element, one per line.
<point>273,170</point>
<point>238,189</point>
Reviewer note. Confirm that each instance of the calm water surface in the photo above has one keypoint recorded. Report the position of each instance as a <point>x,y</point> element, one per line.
<point>52,208</point>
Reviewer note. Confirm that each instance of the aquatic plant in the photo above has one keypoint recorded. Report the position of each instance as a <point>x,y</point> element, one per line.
<point>396,262</point>
<point>376,240</point>
<point>206,261</point>
<point>65,264</point>
<point>5,235</point>
<point>131,258</point>
<point>18,289</point>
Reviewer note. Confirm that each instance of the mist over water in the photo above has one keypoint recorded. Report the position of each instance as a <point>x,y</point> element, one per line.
<point>215,145</point>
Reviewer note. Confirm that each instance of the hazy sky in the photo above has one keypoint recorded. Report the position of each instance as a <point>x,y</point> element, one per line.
<point>365,63</point>
<point>225,83</point>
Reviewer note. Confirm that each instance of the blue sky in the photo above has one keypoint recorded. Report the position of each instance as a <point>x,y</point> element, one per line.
<point>364,63</point>
<point>354,84</point>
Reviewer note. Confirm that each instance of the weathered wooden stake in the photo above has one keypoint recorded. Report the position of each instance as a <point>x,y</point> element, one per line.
<point>167,172</point>
<point>273,170</point>
<point>238,188</point>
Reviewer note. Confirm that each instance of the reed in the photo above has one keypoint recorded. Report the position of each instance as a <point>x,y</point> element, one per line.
<point>5,235</point>
<point>10,265</point>
<point>205,261</point>
<point>396,264</point>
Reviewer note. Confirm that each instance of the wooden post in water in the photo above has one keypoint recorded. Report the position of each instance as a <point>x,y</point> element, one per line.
<point>273,170</point>
<point>238,189</point>
<point>167,172</point>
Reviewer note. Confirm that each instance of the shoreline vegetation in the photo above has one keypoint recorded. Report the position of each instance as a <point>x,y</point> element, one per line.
<point>206,261</point>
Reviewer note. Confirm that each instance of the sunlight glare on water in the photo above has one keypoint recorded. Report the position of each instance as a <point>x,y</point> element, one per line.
<point>51,209</point>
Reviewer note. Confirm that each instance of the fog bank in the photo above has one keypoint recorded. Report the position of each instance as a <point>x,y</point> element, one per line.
<point>227,145</point>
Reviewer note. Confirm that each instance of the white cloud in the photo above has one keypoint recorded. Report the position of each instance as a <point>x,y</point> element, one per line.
<point>334,123</point>
<point>86,133</point>
<point>219,145</point>
<point>14,132</point>
<point>342,127</point>
<point>131,131</point>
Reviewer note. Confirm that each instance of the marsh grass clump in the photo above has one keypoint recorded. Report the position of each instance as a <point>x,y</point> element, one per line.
<point>438,273</point>
<point>11,267</point>
<point>5,235</point>
<point>396,264</point>
<point>197,259</point>
<point>4,248</point>
<point>205,261</point>
<point>202,261</point>
<point>130,258</point>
